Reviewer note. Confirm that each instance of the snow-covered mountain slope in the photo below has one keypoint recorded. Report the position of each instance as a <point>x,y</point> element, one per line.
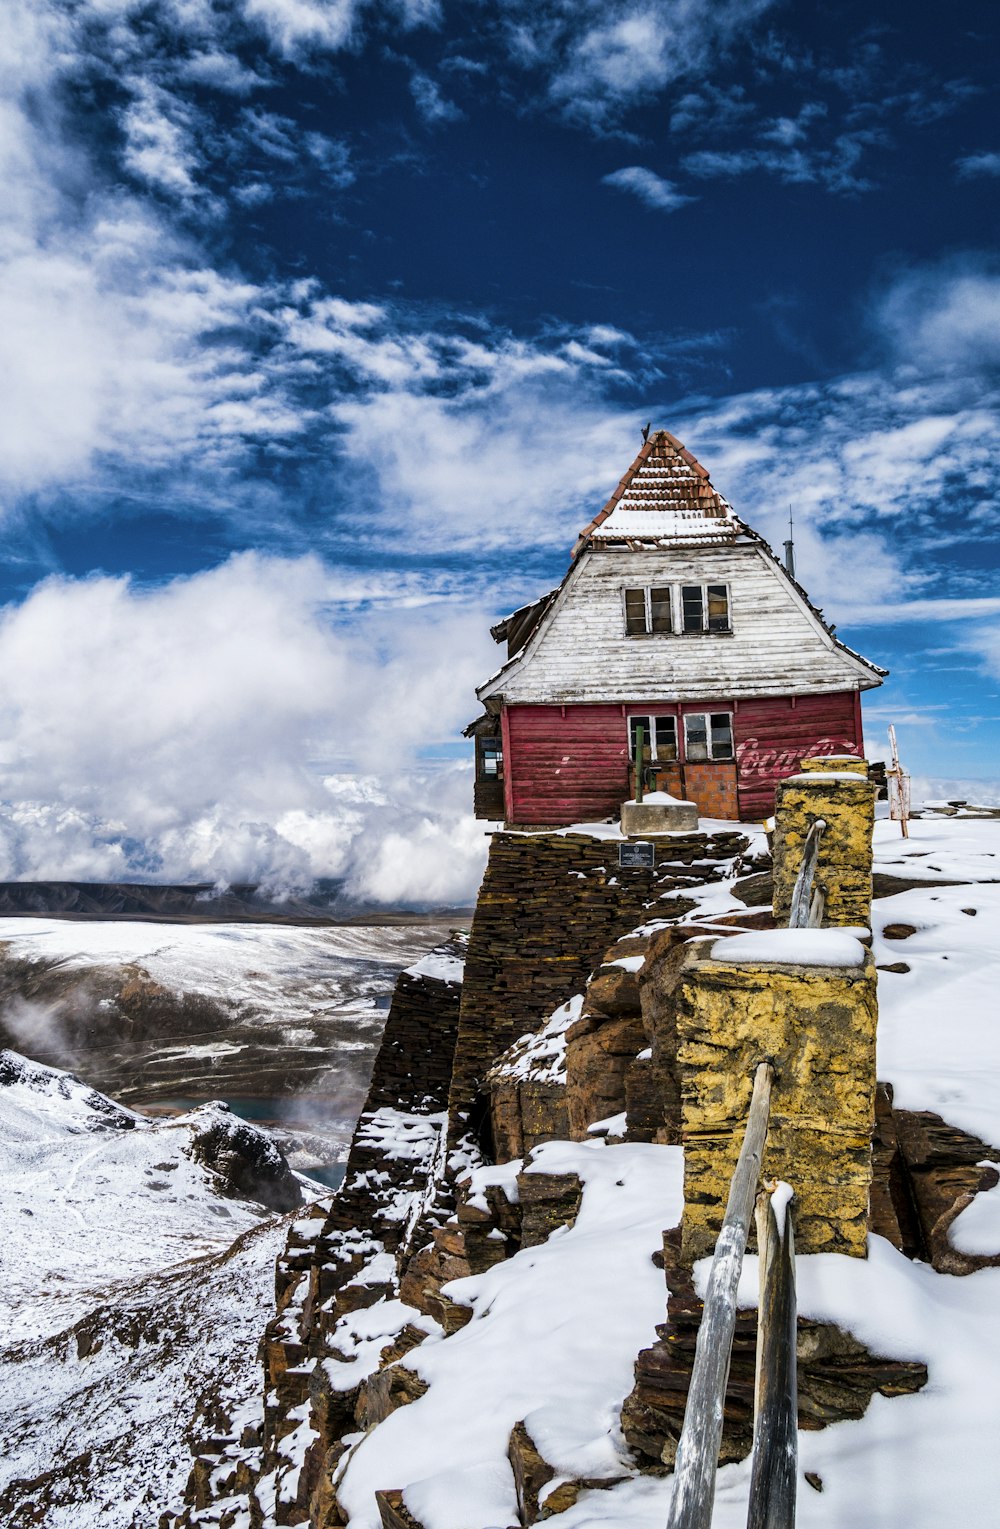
<point>98,1421</point>
<point>94,1196</point>
<point>136,1286</point>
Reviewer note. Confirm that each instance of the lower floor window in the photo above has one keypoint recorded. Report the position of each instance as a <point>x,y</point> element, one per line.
<point>708,735</point>
<point>659,737</point>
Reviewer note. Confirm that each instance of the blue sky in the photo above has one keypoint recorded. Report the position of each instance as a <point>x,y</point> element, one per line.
<point>327,324</point>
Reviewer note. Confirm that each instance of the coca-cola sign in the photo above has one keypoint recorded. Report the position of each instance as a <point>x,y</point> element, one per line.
<point>767,761</point>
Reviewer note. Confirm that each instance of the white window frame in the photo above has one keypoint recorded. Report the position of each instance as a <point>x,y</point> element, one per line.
<point>647,590</point>
<point>679,627</point>
<point>649,717</point>
<point>707,718</point>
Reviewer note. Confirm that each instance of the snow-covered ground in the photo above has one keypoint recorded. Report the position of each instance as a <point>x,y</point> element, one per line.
<point>555,1329</point>
<point>89,1204</point>
<point>135,1292</point>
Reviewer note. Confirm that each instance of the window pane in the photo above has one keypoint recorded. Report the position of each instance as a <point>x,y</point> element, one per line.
<point>490,759</point>
<point>635,612</point>
<point>634,724</point>
<point>696,735</point>
<point>718,608</point>
<point>692,608</point>
<point>722,735</point>
<point>666,737</point>
<point>659,606</point>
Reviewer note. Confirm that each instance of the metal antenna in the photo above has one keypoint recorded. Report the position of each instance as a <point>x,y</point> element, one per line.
<point>790,546</point>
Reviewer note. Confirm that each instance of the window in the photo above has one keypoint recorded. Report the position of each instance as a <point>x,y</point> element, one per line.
<point>659,737</point>
<point>647,610</point>
<point>655,610</point>
<point>705,607</point>
<point>708,735</point>
<point>490,758</point>
<point>718,607</point>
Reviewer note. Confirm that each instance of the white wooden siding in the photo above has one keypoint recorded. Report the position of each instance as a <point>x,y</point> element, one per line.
<point>580,652</point>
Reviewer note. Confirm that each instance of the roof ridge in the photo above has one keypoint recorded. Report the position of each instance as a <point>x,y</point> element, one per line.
<point>692,495</point>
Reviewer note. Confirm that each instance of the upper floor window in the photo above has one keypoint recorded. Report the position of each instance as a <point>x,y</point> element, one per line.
<point>676,608</point>
<point>648,610</point>
<point>705,607</point>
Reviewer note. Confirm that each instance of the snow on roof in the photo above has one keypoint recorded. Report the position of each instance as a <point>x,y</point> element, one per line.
<point>666,496</point>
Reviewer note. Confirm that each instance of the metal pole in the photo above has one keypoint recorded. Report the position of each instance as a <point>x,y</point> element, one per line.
<point>775,1446</point>
<point>698,1450</point>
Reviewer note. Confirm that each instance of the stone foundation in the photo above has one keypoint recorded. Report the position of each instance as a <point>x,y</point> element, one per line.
<point>549,906</point>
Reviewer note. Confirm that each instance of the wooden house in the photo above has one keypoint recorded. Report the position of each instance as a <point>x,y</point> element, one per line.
<point>674,617</point>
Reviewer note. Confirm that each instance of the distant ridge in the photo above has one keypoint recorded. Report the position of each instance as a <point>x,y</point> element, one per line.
<point>198,903</point>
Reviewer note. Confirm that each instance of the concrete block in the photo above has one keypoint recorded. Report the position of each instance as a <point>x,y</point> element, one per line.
<point>641,819</point>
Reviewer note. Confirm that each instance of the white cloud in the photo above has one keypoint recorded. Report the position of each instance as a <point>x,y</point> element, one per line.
<point>297,27</point>
<point>430,103</point>
<point>600,59</point>
<point>974,166</point>
<point>482,473</point>
<point>158,146</point>
<point>650,188</point>
<point>944,317</point>
<point>171,727</point>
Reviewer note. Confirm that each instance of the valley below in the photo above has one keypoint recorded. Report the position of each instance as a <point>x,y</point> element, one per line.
<point>142,1221</point>
<point>281,1021</point>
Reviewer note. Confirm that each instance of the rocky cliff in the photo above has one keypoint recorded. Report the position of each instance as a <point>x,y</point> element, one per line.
<point>477,1331</point>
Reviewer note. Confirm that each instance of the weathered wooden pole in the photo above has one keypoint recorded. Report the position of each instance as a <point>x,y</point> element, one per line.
<point>775,1442</point>
<point>798,917</point>
<point>698,1450</point>
<point>640,742</point>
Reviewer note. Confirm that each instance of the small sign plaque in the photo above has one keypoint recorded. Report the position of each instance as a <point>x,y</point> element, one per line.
<point>636,854</point>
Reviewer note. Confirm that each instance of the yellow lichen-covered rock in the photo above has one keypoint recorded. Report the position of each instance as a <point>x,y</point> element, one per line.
<point>845,800</point>
<point>817,1025</point>
<point>836,763</point>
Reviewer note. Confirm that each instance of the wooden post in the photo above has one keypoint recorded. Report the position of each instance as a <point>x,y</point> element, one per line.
<point>775,1445</point>
<point>798,917</point>
<point>765,1250</point>
<point>899,787</point>
<point>698,1450</point>
<point>640,744</point>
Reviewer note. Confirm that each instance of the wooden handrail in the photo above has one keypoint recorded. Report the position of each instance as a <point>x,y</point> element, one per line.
<point>775,1441</point>
<point>701,1435</point>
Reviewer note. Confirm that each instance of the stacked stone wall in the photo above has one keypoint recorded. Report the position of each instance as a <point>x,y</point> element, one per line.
<point>816,1024</point>
<point>549,907</point>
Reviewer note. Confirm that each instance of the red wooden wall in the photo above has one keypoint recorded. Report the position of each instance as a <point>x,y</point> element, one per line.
<point>570,764</point>
<point>564,765</point>
<point>773,735</point>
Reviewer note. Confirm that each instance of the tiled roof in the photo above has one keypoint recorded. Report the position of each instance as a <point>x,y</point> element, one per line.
<point>665,497</point>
